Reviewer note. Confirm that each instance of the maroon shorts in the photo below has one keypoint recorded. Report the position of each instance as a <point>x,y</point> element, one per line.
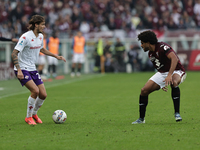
<point>30,75</point>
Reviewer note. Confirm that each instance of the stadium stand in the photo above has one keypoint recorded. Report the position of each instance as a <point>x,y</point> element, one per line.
<point>67,16</point>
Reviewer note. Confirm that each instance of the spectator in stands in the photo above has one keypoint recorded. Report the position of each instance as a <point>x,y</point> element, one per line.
<point>188,21</point>
<point>113,14</point>
<point>189,7</point>
<point>181,24</point>
<point>84,28</point>
<point>175,16</point>
<point>66,10</point>
<point>111,24</point>
<point>197,7</point>
<point>171,25</point>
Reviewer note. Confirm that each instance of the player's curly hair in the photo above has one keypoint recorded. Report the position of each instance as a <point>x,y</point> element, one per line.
<point>36,19</point>
<point>148,36</point>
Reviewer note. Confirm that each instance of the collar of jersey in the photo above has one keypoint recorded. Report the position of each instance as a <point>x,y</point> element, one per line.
<point>33,35</point>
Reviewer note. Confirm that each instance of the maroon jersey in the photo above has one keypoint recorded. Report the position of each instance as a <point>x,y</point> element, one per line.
<point>160,60</point>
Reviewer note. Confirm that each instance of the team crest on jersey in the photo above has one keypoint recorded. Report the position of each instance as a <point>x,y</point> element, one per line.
<point>26,77</point>
<point>21,43</point>
<point>166,47</point>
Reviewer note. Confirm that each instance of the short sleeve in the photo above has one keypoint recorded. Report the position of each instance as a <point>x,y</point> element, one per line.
<point>21,43</point>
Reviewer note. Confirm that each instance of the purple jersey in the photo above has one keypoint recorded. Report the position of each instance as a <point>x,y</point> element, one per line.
<point>160,60</point>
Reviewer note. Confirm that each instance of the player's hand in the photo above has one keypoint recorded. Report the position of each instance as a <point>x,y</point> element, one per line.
<point>61,58</point>
<point>20,75</point>
<point>165,89</point>
<point>168,80</point>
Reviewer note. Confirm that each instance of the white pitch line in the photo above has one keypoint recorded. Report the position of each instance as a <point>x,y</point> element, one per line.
<point>55,84</point>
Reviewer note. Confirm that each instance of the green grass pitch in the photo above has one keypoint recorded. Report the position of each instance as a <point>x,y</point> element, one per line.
<point>100,109</point>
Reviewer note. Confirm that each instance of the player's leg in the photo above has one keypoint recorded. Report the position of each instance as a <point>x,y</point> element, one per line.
<point>39,102</point>
<point>50,65</point>
<point>175,93</point>
<point>153,84</point>
<point>149,87</point>
<point>41,63</point>
<point>74,62</point>
<point>55,62</point>
<point>73,69</point>
<point>31,101</point>
<point>40,68</point>
<point>80,62</point>
<point>79,69</point>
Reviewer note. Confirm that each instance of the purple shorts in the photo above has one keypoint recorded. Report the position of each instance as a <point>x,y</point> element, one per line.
<point>30,75</point>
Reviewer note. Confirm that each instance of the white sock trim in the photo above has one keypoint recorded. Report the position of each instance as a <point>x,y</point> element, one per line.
<point>30,106</point>
<point>38,104</point>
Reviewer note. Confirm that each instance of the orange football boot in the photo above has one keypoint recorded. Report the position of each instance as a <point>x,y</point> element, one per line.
<point>30,121</point>
<point>37,119</point>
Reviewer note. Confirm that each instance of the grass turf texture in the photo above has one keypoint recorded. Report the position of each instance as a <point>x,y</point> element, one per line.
<point>100,109</point>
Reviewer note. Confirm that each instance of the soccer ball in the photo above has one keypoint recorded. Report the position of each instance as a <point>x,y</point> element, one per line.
<point>59,116</point>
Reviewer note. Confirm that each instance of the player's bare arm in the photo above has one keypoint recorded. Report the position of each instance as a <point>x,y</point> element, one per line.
<point>14,56</point>
<point>46,52</point>
<point>174,62</point>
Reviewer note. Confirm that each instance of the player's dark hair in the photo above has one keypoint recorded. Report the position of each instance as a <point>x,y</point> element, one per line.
<point>36,19</point>
<point>148,36</point>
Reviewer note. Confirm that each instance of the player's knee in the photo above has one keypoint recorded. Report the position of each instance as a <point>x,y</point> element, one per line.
<point>35,91</point>
<point>43,96</point>
<point>144,92</point>
<point>175,84</point>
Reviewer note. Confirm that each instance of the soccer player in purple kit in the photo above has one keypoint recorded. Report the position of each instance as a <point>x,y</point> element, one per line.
<point>24,57</point>
<point>169,72</point>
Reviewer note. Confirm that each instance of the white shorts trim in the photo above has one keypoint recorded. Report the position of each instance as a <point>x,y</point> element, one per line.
<point>78,58</point>
<point>41,60</point>
<point>158,78</point>
<point>52,60</point>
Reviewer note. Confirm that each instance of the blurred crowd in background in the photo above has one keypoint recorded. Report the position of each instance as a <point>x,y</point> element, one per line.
<point>68,16</point>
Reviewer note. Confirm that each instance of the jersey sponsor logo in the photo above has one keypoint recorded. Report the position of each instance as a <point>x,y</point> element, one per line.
<point>32,40</point>
<point>40,38</point>
<point>36,47</point>
<point>24,37</point>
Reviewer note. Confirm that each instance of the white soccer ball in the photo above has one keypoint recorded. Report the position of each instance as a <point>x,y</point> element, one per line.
<point>59,116</point>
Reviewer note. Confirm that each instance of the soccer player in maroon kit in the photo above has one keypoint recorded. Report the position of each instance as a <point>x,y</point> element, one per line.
<point>169,72</point>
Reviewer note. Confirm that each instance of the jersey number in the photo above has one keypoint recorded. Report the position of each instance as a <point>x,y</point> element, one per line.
<point>38,75</point>
<point>157,62</point>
